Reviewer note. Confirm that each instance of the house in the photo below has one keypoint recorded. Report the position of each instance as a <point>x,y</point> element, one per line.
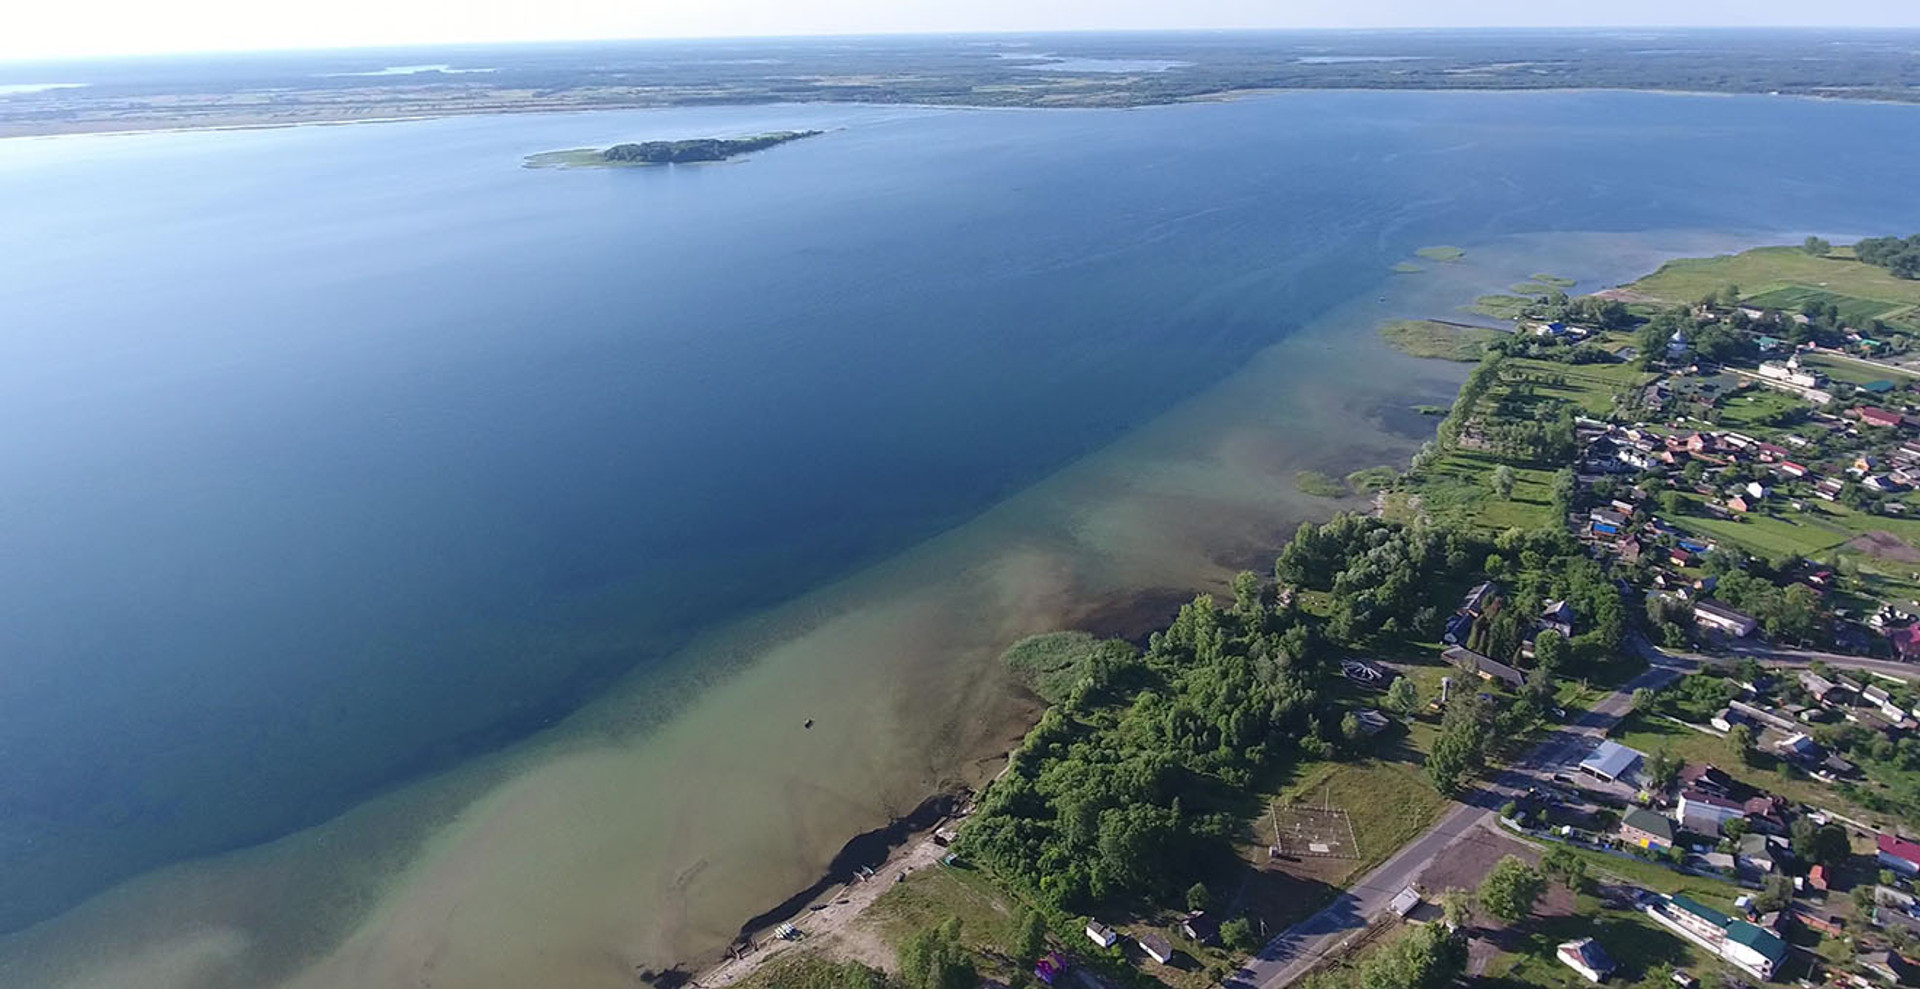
<point>1721,618</point>
<point>1200,928</point>
<point>1829,489</point>
<point>1797,747</point>
<point>1157,948</point>
<point>1748,946</point>
<point>1610,761</point>
<point>1882,418</point>
<point>1768,814</point>
<point>1765,716</point>
<point>1898,854</point>
<point>1792,468</point>
<point>1477,600</point>
<point>1488,667</point>
<point>1371,722</point>
<point>1588,958</point>
<point>1558,616</point>
<point>1818,686</point>
<point>1643,828</point>
<point>1459,627</point>
<point>1817,878</point>
<point>1754,853</point>
<point>1705,812</point>
<point>1101,934</point>
<point>1607,516</point>
<point>1739,503</point>
<point>1726,718</point>
<point>1707,779</point>
<point>1629,549</point>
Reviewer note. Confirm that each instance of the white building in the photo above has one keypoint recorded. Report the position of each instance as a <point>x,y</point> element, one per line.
<point>1588,958</point>
<point>1705,813</point>
<point>1721,618</point>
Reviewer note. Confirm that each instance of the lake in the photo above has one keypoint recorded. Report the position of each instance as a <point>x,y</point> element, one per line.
<point>417,560</point>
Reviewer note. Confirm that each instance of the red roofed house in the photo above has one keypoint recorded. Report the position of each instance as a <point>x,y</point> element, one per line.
<point>1792,469</point>
<point>1899,854</point>
<point>1881,417</point>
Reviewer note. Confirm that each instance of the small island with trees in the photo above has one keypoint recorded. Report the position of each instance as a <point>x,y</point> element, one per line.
<point>695,150</point>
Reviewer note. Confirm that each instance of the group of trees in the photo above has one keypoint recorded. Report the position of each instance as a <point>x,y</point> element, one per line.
<point>1901,257</point>
<point>1115,793</point>
<point>1427,956</point>
<point>1381,575</point>
<point>934,959</point>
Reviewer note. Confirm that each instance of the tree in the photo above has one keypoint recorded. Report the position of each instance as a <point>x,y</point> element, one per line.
<point>1404,696</point>
<point>1460,750</point>
<point>1673,503</point>
<point>1457,906</point>
<point>1663,769</point>
<point>1238,935</point>
<point>1503,480</point>
<point>1740,739</point>
<point>1642,701</point>
<point>1350,728</point>
<point>1511,889</point>
<point>1826,844</point>
<point>1197,897</point>
<point>1775,893</point>
<point>1426,957</point>
<point>933,959</point>
<point>1567,866</point>
<point>1030,936</point>
<point>1816,246</point>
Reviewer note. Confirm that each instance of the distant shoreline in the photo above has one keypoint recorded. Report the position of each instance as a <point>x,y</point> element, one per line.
<point>246,121</point>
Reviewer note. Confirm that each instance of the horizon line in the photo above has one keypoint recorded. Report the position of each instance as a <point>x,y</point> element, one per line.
<point>11,60</point>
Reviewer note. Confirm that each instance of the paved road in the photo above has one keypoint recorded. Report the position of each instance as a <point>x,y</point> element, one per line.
<point>1789,656</point>
<point>1300,947</point>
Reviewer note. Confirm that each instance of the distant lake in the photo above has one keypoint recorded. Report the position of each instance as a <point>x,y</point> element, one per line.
<point>338,457</point>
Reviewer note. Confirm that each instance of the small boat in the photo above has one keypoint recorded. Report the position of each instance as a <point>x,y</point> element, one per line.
<point>809,723</point>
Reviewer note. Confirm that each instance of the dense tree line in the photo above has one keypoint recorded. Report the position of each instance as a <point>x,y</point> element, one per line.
<point>1118,791</point>
<point>1901,257</point>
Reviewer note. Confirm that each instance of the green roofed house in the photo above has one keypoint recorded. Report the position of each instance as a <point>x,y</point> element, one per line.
<point>1752,948</point>
<point>1646,829</point>
<point>1878,387</point>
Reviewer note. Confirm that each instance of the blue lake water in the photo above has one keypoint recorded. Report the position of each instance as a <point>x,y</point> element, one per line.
<point>334,456</point>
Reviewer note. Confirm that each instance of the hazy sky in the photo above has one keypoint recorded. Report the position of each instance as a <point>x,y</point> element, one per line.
<point>59,28</point>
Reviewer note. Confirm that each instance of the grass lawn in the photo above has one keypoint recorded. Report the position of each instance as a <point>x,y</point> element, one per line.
<point>1854,311</point>
<point>1773,269</point>
<point>1651,735</point>
<point>1390,803</point>
<point>1745,410</point>
<point>1855,372</point>
<point>930,896</point>
<point>1646,952</point>
<point>1431,338</point>
<point>1455,487</point>
<point>1792,533</point>
<point>1590,386</point>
